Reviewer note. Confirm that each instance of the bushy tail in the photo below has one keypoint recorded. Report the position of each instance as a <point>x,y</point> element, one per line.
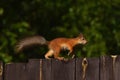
<point>30,41</point>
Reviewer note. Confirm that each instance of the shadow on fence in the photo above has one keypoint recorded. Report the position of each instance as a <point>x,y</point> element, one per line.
<point>103,68</point>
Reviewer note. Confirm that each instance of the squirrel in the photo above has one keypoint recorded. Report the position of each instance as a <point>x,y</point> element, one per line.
<point>55,45</point>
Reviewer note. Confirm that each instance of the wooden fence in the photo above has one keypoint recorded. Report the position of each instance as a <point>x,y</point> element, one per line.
<point>103,68</point>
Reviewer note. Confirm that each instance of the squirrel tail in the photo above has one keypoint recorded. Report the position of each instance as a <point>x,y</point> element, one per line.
<point>35,40</point>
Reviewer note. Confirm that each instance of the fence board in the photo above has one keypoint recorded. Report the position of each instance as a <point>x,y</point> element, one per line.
<point>46,70</point>
<point>1,71</point>
<point>63,70</point>
<point>92,69</point>
<point>106,68</point>
<point>103,68</point>
<point>33,69</point>
<point>15,71</point>
<point>79,69</point>
<point>24,71</point>
<point>116,68</point>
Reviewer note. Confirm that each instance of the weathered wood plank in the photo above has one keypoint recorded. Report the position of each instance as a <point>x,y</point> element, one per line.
<point>62,70</point>
<point>106,68</point>
<point>15,71</point>
<point>45,70</point>
<point>33,69</point>
<point>116,67</point>
<point>23,71</point>
<point>103,68</point>
<point>1,70</point>
<point>92,69</point>
<point>79,70</point>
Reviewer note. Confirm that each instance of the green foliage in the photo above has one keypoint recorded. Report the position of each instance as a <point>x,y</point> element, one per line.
<point>97,20</point>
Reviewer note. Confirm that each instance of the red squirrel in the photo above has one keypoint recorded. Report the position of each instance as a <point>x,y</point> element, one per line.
<point>55,45</point>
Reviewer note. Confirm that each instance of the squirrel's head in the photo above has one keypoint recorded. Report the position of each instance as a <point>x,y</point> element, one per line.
<point>81,39</point>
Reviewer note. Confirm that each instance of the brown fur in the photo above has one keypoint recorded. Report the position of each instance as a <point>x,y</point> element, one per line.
<point>55,45</point>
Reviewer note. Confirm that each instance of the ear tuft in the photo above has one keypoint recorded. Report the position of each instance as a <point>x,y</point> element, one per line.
<point>80,35</point>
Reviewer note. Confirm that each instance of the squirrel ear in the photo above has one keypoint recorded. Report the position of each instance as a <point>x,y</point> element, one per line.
<point>80,35</point>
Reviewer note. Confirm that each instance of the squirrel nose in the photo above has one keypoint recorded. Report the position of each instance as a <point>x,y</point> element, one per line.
<point>86,42</point>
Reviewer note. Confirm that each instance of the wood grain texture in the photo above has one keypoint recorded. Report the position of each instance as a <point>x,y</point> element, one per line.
<point>92,70</point>
<point>62,70</point>
<point>103,68</point>
<point>106,68</point>
<point>1,70</point>
<point>110,68</point>
<point>22,71</point>
<point>46,69</point>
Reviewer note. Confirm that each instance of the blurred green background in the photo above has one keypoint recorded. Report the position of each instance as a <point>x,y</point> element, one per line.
<point>98,20</point>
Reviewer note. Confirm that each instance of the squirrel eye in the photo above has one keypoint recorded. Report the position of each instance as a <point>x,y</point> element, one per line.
<point>82,38</point>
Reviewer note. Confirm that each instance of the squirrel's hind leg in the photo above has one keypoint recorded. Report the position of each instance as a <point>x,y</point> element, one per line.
<point>56,55</point>
<point>49,54</point>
